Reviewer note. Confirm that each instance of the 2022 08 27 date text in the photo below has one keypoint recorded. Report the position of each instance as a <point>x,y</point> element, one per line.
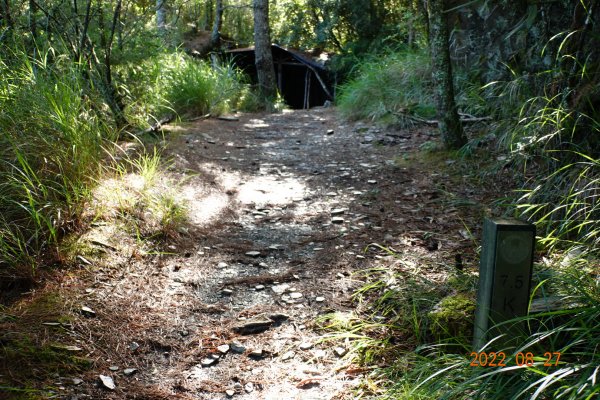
<point>499,359</point>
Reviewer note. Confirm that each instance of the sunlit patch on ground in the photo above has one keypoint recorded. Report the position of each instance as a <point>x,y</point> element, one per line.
<point>204,207</point>
<point>271,190</point>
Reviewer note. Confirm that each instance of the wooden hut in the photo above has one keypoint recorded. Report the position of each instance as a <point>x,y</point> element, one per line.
<point>301,81</point>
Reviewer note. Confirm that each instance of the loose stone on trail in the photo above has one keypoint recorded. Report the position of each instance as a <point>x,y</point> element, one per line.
<point>305,346</point>
<point>337,220</point>
<point>253,254</point>
<point>256,354</point>
<point>338,211</point>
<point>129,371</point>
<point>340,351</point>
<point>207,362</point>
<point>223,349</point>
<point>107,382</point>
<point>281,289</point>
<point>88,312</point>
<point>237,347</point>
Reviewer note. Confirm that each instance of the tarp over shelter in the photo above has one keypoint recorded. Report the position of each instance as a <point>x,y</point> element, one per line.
<point>302,82</point>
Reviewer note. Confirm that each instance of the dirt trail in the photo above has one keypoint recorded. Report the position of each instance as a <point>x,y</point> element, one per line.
<point>281,208</point>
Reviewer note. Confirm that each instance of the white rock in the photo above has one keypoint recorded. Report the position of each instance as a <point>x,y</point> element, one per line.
<point>223,349</point>
<point>295,295</point>
<point>207,362</point>
<point>253,253</point>
<point>305,346</point>
<point>340,351</point>
<point>107,382</point>
<point>280,289</point>
<point>88,312</point>
<point>320,299</point>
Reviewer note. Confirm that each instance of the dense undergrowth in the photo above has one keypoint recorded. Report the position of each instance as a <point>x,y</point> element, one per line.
<point>53,135</point>
<point>58,134</point>
<point>396,88</point>
<point>545,130</point>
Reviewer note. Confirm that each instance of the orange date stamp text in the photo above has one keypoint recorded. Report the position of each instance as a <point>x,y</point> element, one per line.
<point>499,359</point>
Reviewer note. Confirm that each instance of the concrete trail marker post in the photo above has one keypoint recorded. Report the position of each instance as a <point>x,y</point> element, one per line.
<point>504,278</point>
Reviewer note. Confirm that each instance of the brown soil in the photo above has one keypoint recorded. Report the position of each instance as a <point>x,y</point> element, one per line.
<point>264,183</point>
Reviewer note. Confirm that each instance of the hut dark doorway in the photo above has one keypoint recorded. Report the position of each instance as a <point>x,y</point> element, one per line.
<point>302,82</point>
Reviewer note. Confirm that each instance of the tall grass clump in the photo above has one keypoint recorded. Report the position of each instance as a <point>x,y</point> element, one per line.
<point>397,88</point>
<point>178,83</point>
<point>52,133</point>
<point>395,83</point>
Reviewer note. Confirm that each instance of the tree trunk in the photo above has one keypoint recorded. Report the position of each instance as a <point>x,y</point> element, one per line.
<point>32,19</point>
<point>264,57</point>
<point>449,122</point>
<point>161,17</point>
<point>114,99</point>
<point>5,17</point>
<point>215,36</point>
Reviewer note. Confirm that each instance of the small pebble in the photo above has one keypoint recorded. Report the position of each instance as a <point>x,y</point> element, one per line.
<point>305,346</point>
<point>340,351</point>
<point>237,347</point>
<point>320,299</point>
<point>256,354</point>
<point>223,349</point>
<point>207,362</point>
